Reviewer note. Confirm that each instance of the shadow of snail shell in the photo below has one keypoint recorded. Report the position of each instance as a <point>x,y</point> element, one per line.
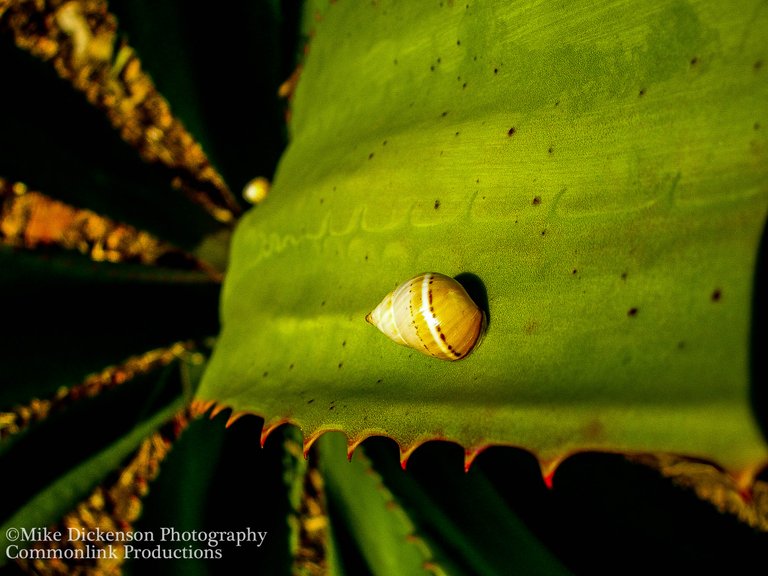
<point>433,314</point>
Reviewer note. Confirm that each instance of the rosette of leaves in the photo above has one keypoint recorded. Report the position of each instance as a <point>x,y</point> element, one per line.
<point>598,170</point>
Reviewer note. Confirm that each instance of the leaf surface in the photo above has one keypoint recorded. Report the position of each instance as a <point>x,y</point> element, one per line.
<point>600,168</point>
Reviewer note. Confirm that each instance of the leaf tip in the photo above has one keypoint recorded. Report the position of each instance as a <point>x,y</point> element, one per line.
<point>270,427</point>
<point>234,417</point>
<point>469,457</point>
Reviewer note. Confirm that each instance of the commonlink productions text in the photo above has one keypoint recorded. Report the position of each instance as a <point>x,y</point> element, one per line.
<point>162,543</point>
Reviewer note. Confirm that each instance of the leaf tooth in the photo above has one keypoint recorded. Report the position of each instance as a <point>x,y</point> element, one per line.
<point>218,409</point>
<point>354,441</point>
<point>199,407</point>
<point>549,467</point>
<point>469,456</point>
<point>406,452</point>
<point>271,426</point>
<point>234,417</point>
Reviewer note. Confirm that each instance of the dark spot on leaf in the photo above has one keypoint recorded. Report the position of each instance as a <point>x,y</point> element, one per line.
<point>378,381</point>
<point>366,257</point>
<point>432,68</point>
<point>681,345</point>
<point>550,150</point>
<point>290,367</point>
<point>756,126</point>
<point>322,200</point>
<point>384,143</point>
<point>343,343</point>
<point>370,155</point>
<point>477,181</point>
<point>395,61</point>
<point>495,70</point>
<point>574,271</point>
<point>332,408</point>
<point>557,103</point>
<point>694,61</point>
<point>632,312</point>
<point>265,374</point>
<point>623,275</point>
<point>544,232</point>
<point>511,131</point>
<point>456,134</point>
<point>758,65</point>
<point>642,92</point>
<point>341,364</point>
<point>310,401</point>
<point>593,430</point>
<point>444,114</point>
<point>458,42</point>
<point>464,85</point>
<point>716,295</point>
<point>536,200</point>
<point>438,60</point>
<point>437,204</point>
<point>322,303</point>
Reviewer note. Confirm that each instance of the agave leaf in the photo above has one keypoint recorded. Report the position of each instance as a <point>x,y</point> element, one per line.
<point>48,505</point>
<point>477,533</point>
<point>602,169</point>
<point>237,116</point>
<point>87,315</point>
<point>55,141</point>
<point>359,501</point>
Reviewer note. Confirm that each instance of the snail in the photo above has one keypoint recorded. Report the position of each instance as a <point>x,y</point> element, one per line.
<point>431,313</point>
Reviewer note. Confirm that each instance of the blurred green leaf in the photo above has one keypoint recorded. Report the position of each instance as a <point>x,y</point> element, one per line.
<point>462,515</point>
<point>55,142</point>
<point>358,500</point>
<point>59,497</point>
<point>66,317</point>
<point>220,68</point>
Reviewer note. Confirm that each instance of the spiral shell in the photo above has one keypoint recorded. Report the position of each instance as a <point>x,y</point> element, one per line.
<point>433,314</point>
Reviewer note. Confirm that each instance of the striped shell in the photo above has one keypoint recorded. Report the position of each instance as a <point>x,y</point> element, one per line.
<point>433,314</point>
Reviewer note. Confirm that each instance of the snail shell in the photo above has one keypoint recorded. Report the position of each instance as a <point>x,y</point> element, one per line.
<point>433,314</point>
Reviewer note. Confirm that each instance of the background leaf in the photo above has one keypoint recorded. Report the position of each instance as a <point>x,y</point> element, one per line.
<point>86,315</point>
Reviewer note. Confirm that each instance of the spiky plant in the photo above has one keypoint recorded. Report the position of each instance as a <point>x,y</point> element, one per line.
<point>600,169</point>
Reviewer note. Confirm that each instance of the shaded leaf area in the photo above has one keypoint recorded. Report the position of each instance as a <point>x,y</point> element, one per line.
<point>65,317</point>
<point>220,479</point>
<point>312,545</point>
<point>460,521</point>
<point>21,416</point>
<point>58,463</point>
<point>191,52</point>
<point>603,515</point>
<point>53,140</point>
<point>368,522</point>
<point>601,170</point>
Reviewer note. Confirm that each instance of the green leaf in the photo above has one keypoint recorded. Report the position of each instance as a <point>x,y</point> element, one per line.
<point>57,143</point>
<point>602,169</point>
<point>463,516</point>
<point>232,109</point>
<point>48,505</point>
<point>83,316</point>
<point>358,500</point>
